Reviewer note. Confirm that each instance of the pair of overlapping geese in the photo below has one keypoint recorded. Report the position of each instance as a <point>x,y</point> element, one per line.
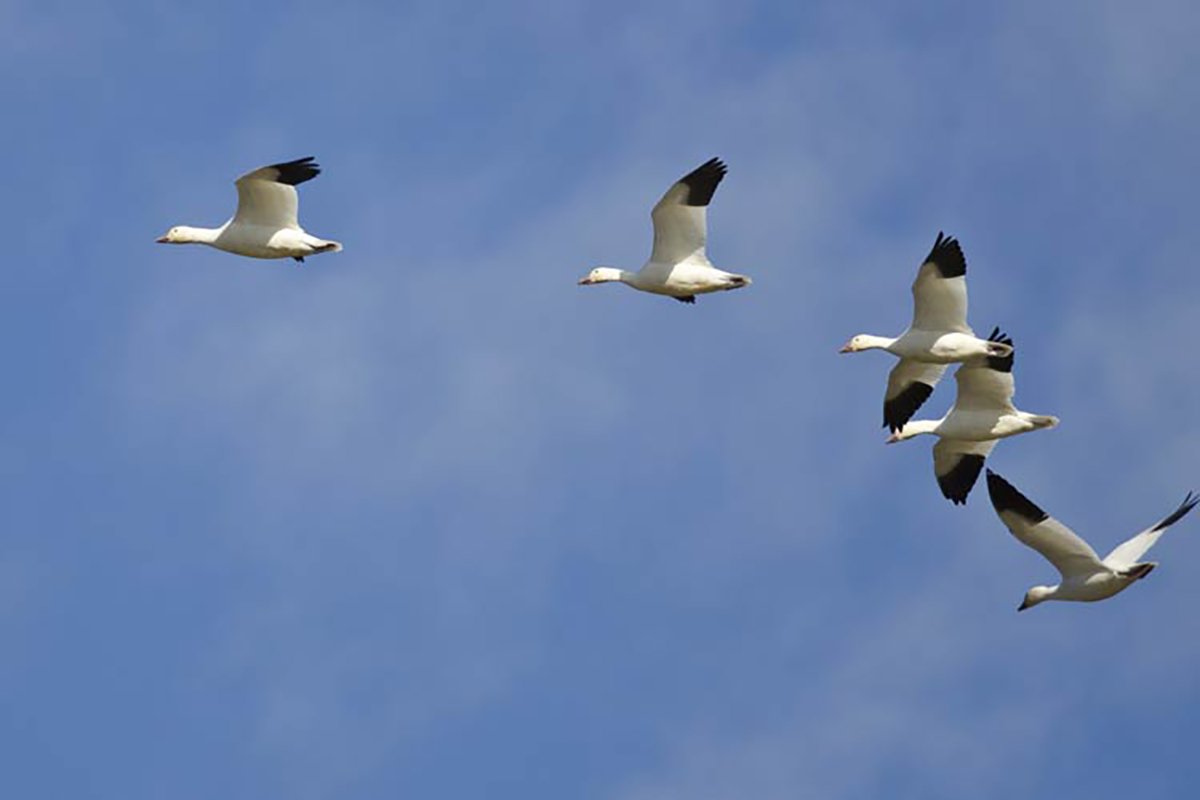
<point>266,225</point>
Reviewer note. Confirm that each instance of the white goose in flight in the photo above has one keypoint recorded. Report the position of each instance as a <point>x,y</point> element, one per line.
<point>266,224</point>
<point>1084,576</point>
<point>678,266</point>
<point>939,334</point>
<point>983,413</point>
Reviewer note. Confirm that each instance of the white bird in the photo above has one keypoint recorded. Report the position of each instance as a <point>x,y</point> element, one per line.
<point>983,413</point>
<point>1084,576</point>
<point>678,266</point>
<point>939,334</point>
<point>266,224</point>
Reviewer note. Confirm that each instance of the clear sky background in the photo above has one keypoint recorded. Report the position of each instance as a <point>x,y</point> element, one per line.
<point>424,519</point>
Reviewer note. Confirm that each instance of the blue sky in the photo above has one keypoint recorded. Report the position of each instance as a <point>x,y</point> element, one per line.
<point>426,519</point>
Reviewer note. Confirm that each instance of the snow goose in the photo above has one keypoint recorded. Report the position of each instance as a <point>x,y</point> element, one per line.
<point>983,413</point>
<point>678,266</point>
<point>266,224</point>
<point>939,334</point>
<point>1084,576</point>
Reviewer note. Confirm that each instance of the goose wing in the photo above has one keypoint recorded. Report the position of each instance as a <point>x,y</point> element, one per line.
<point>1070,555</point>
<point>940,290</point>
<point>1126,554</point>
<point>986,384</point>
<point>680,217</point>
<point>909,385</point>
<point>267,196</point>
<point>956,464</point>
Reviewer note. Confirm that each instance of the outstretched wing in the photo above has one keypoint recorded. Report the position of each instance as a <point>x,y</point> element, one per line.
<point>1126,554</point>
<point>987,383</point>
<point>680,226</point>
<point>940,290</point>
<point>1070,555</point>
<point>956,464</point>
<point>909,385</point>
<point>267,196</point>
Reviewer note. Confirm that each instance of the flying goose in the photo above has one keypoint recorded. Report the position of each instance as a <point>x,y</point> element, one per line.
<point>983,412</point>
<point>265,225</point>
<point>678,266</point>
<point>939,334</point>
<point>1084,576</point>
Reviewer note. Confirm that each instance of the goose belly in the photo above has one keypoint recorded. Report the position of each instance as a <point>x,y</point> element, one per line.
<point>937,347</point>
<point>682,280</point>
<point>1100,586</point>
<point>982,425</point>
<point>259,242</point>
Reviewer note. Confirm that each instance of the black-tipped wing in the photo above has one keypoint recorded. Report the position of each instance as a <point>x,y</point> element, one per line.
<point>700,184</point>
<point>1070,555</point>
<point>957,464</point>
<point>267,196</point>
<point>910,383</point>
<point>1187,505</point>
<point>293,173</point>
<point>940,290</point>
<point>680,217</point>
<point>986,384</point>
<point>1006,498</point>
<point>1128,552</point>
<point>1001,363</point>
<point>947,257</point>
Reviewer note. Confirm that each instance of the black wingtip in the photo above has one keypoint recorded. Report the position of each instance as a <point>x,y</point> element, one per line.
<point>702,182</point>
<point>296,172</point>
<point>690,299</point>
<point>1006,498</point>
<point>948,257</point>
<point>958,482</point>
<point>1187,505</point>
<point>900,408</point>
<point>1001,363</point>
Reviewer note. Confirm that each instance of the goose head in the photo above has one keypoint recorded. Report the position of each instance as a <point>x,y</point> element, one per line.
<point>855,344</point>
<point>914,427</point>
<point>865,341</point>
<point>180,234</point>
<point>601,275</point>
<point>1034,596</point>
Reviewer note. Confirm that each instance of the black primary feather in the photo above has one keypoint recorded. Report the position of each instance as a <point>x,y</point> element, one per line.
<point>956,484</point>
<point>296,172</point>
<point>900,408</point>
<point>1006,498</point>
<point>702,182</point>
<point>948,257</point>
<point>691,298</point>
<point>1001,363</point>
<point>1187,505</point>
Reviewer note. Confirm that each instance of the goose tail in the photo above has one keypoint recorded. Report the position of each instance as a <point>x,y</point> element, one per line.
<point>1139,571</point>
